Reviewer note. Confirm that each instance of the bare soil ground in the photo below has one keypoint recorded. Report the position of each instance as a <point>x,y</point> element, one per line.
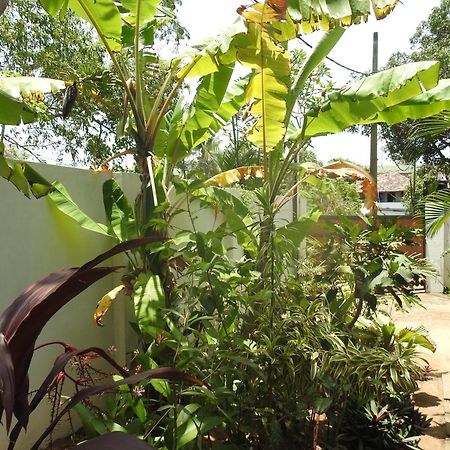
<point>430,396</point>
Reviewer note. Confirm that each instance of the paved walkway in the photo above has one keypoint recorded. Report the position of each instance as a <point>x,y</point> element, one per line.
<point>433,397</point>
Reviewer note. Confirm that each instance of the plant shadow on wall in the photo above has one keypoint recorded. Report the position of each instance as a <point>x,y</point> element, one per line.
<point>233,308</point>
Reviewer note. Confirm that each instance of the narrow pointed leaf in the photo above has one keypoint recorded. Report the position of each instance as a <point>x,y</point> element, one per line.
<point>7,388</point>
<point>23,320</point>
<point>113,441</point>
<point>320,52</point>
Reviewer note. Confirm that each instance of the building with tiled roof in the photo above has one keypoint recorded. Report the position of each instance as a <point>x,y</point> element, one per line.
<point>392,186</point>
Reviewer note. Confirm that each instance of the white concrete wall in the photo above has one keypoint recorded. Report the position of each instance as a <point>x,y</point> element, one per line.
<point>37,239</point>
<point>436,248</point>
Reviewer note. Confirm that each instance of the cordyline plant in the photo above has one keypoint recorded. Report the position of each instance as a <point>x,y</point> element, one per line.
<point>21,324</point>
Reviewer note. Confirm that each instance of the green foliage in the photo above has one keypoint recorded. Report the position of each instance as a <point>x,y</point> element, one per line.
<point>390,424</point>
<point>235,304</point>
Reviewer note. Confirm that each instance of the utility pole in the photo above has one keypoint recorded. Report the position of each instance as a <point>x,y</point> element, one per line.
<point>374,130</point>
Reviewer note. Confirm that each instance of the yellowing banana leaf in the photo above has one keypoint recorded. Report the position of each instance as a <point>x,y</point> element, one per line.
<point>364,100</point>
<point>273,17</point>
<point>237,175</point>
<point>338,169</point>
<point>327,14</point>
<point>17,94</point>
<point>267,12</point>
<point>268,88</point>
<point>342,169</point>
<point>105,302</point>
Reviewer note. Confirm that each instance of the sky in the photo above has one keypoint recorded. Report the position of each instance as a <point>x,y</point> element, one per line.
<point>206,17</point>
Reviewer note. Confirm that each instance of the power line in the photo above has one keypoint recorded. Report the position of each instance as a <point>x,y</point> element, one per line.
<point>333,60</point>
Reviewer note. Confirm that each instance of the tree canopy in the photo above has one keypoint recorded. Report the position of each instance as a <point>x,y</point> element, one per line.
<point>430,42</point>
<point>35,44</point>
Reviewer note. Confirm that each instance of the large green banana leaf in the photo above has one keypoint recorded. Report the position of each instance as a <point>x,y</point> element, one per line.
<point>18,93</point>
<point>104,15</point>
<point>364,100</point>
<point>327,14</point>
<point>217,100</point>
<point>147,10</point>
<point>427,104</point>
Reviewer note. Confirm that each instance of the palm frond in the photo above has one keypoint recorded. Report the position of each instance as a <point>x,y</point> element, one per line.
<point>437,210</point>
<point>431,126</point>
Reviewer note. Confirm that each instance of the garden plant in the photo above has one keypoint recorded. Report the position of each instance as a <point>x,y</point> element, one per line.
<point>280,347</point>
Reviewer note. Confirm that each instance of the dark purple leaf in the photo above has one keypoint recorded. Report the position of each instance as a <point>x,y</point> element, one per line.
<point>122,247</point>
<point>7,389</point>
<point>113,441</point>
<point>22,321</point>
<point>163,373</point>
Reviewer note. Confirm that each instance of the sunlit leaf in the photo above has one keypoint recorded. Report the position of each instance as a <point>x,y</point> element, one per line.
<point>268,88</point>
<point>147,10</point>
<point>206,56</point>
<point>426,104</point>
<point>104,16</point>
<point>149,301</point>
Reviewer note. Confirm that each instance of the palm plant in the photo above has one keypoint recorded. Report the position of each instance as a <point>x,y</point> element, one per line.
<point>436,205</point>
